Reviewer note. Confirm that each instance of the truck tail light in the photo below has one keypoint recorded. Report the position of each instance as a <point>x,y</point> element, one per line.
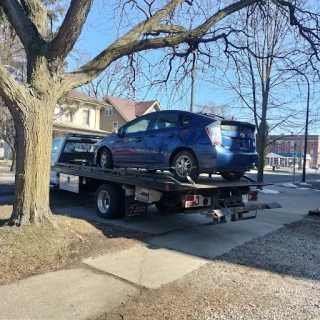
<point>192,201</point>
<point>213,130</point>
<point>253,196</point>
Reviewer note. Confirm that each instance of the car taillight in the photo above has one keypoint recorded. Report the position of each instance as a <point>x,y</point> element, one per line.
<point>214,132</point>
<point>192,201</point>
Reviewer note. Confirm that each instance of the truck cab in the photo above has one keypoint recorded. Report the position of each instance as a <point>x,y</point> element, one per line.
<point>74,148</point>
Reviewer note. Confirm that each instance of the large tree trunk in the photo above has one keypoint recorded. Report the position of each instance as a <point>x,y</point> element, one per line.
<point>34,137</point>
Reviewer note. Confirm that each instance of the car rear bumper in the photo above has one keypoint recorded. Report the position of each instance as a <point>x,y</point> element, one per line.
<point>226,160</point>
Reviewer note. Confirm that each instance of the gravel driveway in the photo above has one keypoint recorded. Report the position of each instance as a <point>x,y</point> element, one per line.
<point>276,276</point>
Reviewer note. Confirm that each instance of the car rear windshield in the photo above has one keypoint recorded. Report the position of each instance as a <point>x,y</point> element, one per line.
<point>238,127</point>
<point>79,146</point>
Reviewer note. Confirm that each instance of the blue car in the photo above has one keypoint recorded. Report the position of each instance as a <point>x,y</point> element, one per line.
<point>182,142</point>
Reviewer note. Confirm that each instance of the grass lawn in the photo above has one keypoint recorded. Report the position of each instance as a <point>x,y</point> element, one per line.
<point>59,244</point>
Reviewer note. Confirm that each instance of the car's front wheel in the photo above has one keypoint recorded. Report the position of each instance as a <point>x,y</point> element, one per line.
<point>232,176</point>
<point>105,159</point>
<point>185,164</point>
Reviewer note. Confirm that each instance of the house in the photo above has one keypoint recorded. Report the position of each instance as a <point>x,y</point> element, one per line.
<point>78,112</point>
<point>117,112</point>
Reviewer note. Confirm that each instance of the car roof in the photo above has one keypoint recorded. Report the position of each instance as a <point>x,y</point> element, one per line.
<point>196,116</point>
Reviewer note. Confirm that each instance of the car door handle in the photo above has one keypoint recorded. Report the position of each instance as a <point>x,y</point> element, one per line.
<point>171,135</point>
<point>139,139</point>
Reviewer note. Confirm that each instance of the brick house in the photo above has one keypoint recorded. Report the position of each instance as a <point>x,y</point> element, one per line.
<point>286,145</point>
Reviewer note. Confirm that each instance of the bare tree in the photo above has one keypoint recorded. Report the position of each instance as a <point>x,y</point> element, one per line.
<point>155,26</point>
<point>212,108</point>
<point>267,47</point>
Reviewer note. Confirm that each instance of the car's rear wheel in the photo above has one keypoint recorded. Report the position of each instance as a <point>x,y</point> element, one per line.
<point>232,176</point>
<point>105,159</point>
<point>185,164</point>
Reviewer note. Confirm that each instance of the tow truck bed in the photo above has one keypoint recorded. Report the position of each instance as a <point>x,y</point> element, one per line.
<point>129,192</point>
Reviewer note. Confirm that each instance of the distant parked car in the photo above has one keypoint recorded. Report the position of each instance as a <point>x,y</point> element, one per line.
<point>294,166</point>
<point>183,142</point>
<point>314,167</point>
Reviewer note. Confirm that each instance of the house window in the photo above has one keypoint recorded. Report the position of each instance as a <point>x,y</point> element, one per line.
<point>108,111</point>
<point>68,117</point>
<point>292,143</point>
<point>115,126</point>
<point>311,143</point>
<point>311,151</point>
<point>85,116</point>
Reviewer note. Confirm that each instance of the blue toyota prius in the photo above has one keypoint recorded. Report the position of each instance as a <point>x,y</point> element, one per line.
<point>182,142</point>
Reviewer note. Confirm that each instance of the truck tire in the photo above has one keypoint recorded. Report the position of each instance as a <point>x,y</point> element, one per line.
<point>185,163</point>
<point>107,201</point>
<point>105,159</point>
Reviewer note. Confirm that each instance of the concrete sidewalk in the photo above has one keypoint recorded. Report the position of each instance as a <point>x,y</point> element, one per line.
<point>182,243</point>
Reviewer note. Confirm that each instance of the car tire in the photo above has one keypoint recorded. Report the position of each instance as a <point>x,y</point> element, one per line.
<point>232,176</point>
<point>105,159</point>
<point>184,163</point>
<point>107,201</point>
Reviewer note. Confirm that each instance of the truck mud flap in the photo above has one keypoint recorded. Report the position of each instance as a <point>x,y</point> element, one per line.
<point>236,213</point>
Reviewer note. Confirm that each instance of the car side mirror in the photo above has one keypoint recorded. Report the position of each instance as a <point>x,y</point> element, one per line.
<point>120,133</point>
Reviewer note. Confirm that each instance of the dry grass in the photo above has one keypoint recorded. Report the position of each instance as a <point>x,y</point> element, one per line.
<point>61,243</point>
<point>39,249</point>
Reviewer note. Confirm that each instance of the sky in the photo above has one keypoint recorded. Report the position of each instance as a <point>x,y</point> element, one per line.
<point>101,29</point>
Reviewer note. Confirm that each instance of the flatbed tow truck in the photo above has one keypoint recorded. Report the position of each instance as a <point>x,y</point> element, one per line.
<point>124,192</point>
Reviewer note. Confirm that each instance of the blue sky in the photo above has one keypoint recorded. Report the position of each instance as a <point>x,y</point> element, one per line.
<point>100,30</point>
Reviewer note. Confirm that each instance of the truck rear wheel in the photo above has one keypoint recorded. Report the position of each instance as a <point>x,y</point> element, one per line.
<point>107,201</point>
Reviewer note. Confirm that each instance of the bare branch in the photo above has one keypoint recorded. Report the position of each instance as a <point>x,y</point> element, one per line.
<point>129,43</point>
<point>69,31</point>
<point>25,29</point>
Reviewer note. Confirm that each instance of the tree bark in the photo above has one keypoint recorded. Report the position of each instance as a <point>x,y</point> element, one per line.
<point>34,137</point>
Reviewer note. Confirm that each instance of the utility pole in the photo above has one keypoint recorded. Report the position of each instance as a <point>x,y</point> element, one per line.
<point>306,132</point>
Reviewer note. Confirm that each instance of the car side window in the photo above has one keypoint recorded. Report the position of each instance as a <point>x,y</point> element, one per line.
<point>185,120</point>
<point>165,120</point>
<point>139,125</point>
